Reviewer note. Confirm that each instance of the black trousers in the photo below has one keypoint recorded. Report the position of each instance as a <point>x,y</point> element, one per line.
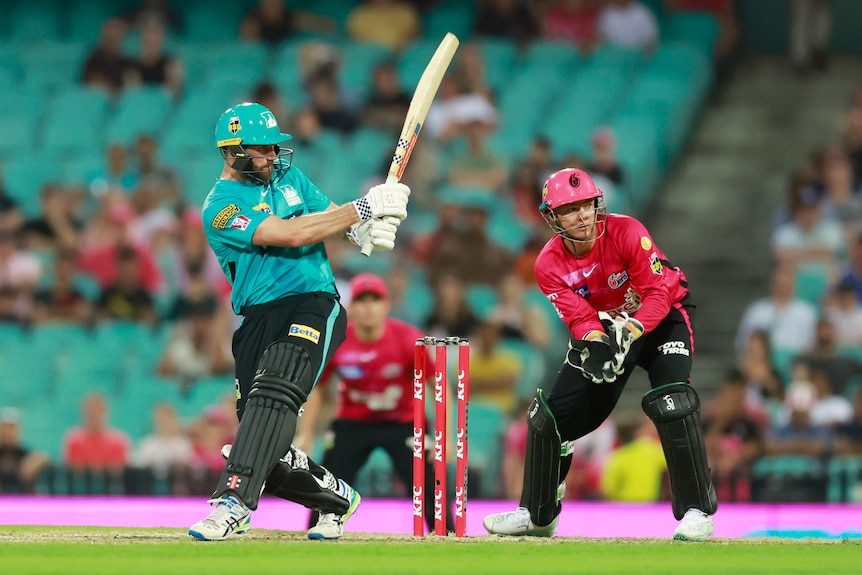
<point>316,321</point>
<point>580,406</point>
<point>352,446</point>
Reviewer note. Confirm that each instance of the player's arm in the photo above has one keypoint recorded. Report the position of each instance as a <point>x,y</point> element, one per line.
<point>382,201</point>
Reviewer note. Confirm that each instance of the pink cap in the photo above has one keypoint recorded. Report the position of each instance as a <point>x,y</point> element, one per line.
<point>368,283</point>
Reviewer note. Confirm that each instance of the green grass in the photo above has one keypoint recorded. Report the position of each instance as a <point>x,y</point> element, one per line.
<point>95,551</point>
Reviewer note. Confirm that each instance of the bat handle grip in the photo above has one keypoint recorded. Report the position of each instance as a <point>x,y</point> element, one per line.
<point>367,249</point>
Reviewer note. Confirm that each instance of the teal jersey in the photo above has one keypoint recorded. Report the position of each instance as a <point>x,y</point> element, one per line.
<point>260,274</point>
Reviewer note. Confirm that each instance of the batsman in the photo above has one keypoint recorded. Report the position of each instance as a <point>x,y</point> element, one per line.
<point>625,306</point>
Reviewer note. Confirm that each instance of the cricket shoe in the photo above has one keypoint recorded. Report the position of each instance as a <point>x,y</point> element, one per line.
<point>518,522</point>
<point>330,525</point>
<point>230,516</point>
<point>695,526</point>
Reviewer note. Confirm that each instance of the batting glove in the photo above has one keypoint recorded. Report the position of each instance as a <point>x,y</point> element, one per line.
<point>375,234</point>
<point>383,200</point>
<point>622,333</point>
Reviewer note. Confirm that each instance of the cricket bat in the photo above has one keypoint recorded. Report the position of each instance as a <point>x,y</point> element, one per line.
<point>418,109</point>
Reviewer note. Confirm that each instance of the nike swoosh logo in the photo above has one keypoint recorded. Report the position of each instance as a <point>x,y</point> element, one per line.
<point>590,271</point>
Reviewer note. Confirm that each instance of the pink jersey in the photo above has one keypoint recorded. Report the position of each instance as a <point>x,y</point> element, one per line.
<point>377,377</point>
<point>624,271</point>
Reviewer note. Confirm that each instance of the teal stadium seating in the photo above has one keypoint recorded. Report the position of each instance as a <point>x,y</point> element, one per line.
<point>138,111</point>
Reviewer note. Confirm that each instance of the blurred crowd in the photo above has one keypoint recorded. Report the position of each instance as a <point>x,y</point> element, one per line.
<point>127,245</point>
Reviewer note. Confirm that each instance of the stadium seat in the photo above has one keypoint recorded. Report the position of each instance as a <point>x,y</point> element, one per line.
<point>845,474</point>
<point>212,22</point>
<point>139,111</point>
<point>485,433</point>
<point>501,62</point>
<point>454,17</point>
<point>84,19</point>
<point>34,21</point>
<point>74,116</point>
<point>561,57</point>
<point>376,476</point>
<point>700,28</point>
<point>812,282</point>
<point>357,65</point>
<point>26,175</point>
<point>533,368</point>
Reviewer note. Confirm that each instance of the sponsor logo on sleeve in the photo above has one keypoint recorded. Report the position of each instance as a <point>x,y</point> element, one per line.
<point>305,332</point>
<point>263,207</point>
<point>223,217</point>
<point>240,223</point>
<point>655,264</point>
<point>646,243</point>
<point>616,280</point>
<point>582,290</point>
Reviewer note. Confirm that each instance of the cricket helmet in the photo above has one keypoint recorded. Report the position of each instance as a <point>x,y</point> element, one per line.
<point>568,186</point>
<point>251,124</point>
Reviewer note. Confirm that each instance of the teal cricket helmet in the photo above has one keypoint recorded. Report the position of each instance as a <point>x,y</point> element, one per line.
<point>251,124</point>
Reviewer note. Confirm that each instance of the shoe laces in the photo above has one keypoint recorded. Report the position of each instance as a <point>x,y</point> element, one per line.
<point>227,509</point>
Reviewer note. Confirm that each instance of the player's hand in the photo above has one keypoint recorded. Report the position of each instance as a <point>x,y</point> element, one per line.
<point>622,332</point>
<point>590,357</point>
<point>383,200</point>
<point>375,234</point>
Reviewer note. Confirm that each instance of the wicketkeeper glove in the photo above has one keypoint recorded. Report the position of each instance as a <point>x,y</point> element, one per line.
<point>375,234</point>
<point>622,332</point>
<point>590,357</point>
<point>383,200</point>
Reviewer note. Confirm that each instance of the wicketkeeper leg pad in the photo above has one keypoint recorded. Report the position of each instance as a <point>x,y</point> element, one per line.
<point>675,410</point>
<point>269,422</point>
<point>542,491</point>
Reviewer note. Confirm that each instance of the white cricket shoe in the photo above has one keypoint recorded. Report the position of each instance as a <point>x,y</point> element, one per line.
<point>330,525</point>
<point>230,516</point>
<point>518,523</point>
<point>695,526</point>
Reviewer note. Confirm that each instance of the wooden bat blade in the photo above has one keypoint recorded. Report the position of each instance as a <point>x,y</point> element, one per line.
<point>427,87</point>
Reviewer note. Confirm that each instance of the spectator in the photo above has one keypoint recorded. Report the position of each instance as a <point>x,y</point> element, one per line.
<point>628,23</point>
<point>789,321</point>
<point>764,385</point>
<point>851,140</point>
<point>451,314</point>
<point>808,237</point>
<point>852,272</point>
<point>20,273</point>
<point>849,434</point>
<point>387,103</point>
<point>63,301</point>
<point>56,221</point>
<point>518,319</point>
<point>154,66</point>
<point>825,355</point>
<point>106,66</point>
<point>478,166</point>
<point>636,471</point>
<point>158,10</point>
<point>508,19</point>
<point>11,216</point>
<point>456,254</point>
<point>572,21</point>
<point>19,465</point>
<point>199,346</point>
<point>149,168</point>
<point>327,101</point>
<point>843,310</point>
<point>272,22</point>
<point>125,299</point>
<point>94,445</point>
<point>168,447</point>
<point>794,433</point>
<point>842,199</point>
<point>830,409</point>
<point>109,232</point>
<point>733,434</point>
<point>115,178</point>
<point>604,160</point>
<point>470,70</point>
<point>390,23</point>
<point>494,371</point>
<point>268,94</point>
<point>810,30</point>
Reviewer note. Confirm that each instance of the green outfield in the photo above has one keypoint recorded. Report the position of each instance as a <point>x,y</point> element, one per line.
<point>95,550</point>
